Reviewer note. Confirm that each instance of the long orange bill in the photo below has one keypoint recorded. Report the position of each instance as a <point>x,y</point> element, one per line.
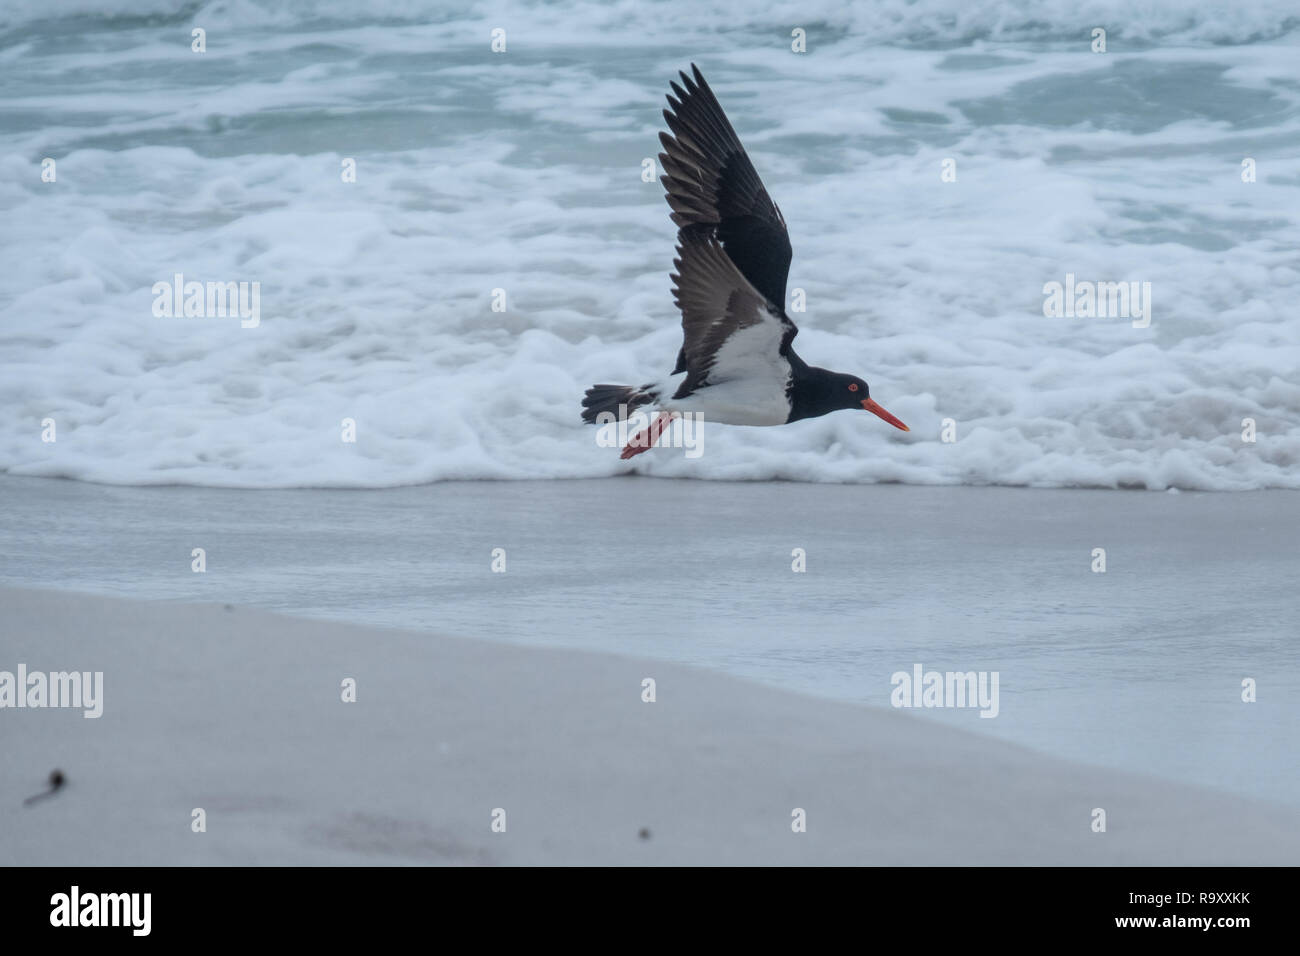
<point>871,405</point>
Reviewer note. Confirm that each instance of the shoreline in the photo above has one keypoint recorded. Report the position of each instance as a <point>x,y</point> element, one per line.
<point>1137,669</point>
<point>239,712</point>
<point>632,473</point>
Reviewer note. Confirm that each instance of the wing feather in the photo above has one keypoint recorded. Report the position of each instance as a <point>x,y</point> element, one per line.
<point>713,188</point>
<point>717,302</point>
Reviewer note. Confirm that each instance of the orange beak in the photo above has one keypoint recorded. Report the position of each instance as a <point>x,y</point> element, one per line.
<point>871,405</point>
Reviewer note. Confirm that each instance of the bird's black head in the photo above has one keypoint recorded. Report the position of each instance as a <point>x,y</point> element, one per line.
<point>852,391</point>
<point>817,392</point>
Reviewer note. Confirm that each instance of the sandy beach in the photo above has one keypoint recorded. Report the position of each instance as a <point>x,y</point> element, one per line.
<point>1136,669</point>
<point>240,713</point>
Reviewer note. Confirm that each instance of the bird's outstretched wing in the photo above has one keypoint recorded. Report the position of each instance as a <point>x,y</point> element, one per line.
<point>731,331</point>
<point>714,190</point>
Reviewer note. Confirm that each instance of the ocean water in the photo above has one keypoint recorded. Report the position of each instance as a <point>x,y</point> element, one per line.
<point>521,171</point>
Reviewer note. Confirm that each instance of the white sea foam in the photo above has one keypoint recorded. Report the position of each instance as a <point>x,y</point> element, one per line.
<point>522,172</point>
<point>896,21</point>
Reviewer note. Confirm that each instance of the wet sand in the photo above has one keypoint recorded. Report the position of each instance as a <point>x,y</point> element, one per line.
<point>239,714</point>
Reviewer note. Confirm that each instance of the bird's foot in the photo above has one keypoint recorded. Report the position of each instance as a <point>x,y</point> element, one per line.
<point>645,439</point>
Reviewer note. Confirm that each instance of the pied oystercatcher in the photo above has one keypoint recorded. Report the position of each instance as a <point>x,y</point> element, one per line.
<point>733,258</point>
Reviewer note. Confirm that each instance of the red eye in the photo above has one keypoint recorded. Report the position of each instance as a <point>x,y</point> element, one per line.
<point>853,386</point>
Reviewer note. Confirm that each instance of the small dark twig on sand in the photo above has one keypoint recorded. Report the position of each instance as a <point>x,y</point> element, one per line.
<point>56,782</point>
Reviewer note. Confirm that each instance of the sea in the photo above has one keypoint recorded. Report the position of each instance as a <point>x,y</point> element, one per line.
<point>446,211</point>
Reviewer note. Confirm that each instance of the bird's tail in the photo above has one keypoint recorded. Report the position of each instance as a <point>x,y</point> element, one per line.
<point>616,400</point>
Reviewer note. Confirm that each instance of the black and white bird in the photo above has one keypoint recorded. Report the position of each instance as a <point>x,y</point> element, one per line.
<point>736,365</point>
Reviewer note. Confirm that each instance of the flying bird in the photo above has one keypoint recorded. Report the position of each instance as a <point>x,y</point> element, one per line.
<point>736,362</point>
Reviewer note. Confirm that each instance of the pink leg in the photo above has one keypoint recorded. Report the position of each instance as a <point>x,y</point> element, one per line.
<point>645,439</point>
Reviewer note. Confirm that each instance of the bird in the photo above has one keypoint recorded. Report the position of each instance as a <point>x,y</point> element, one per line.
<point>736,365</point>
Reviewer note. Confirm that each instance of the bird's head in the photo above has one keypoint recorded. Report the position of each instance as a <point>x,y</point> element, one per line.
<point>849,391</point>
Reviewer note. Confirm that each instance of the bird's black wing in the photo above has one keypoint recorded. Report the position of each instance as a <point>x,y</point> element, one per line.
<point>730,330</point>
<point>714,190</point>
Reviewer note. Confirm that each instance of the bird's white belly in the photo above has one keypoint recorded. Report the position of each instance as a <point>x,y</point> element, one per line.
<point>747,382</point>
<point>745,402</point>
